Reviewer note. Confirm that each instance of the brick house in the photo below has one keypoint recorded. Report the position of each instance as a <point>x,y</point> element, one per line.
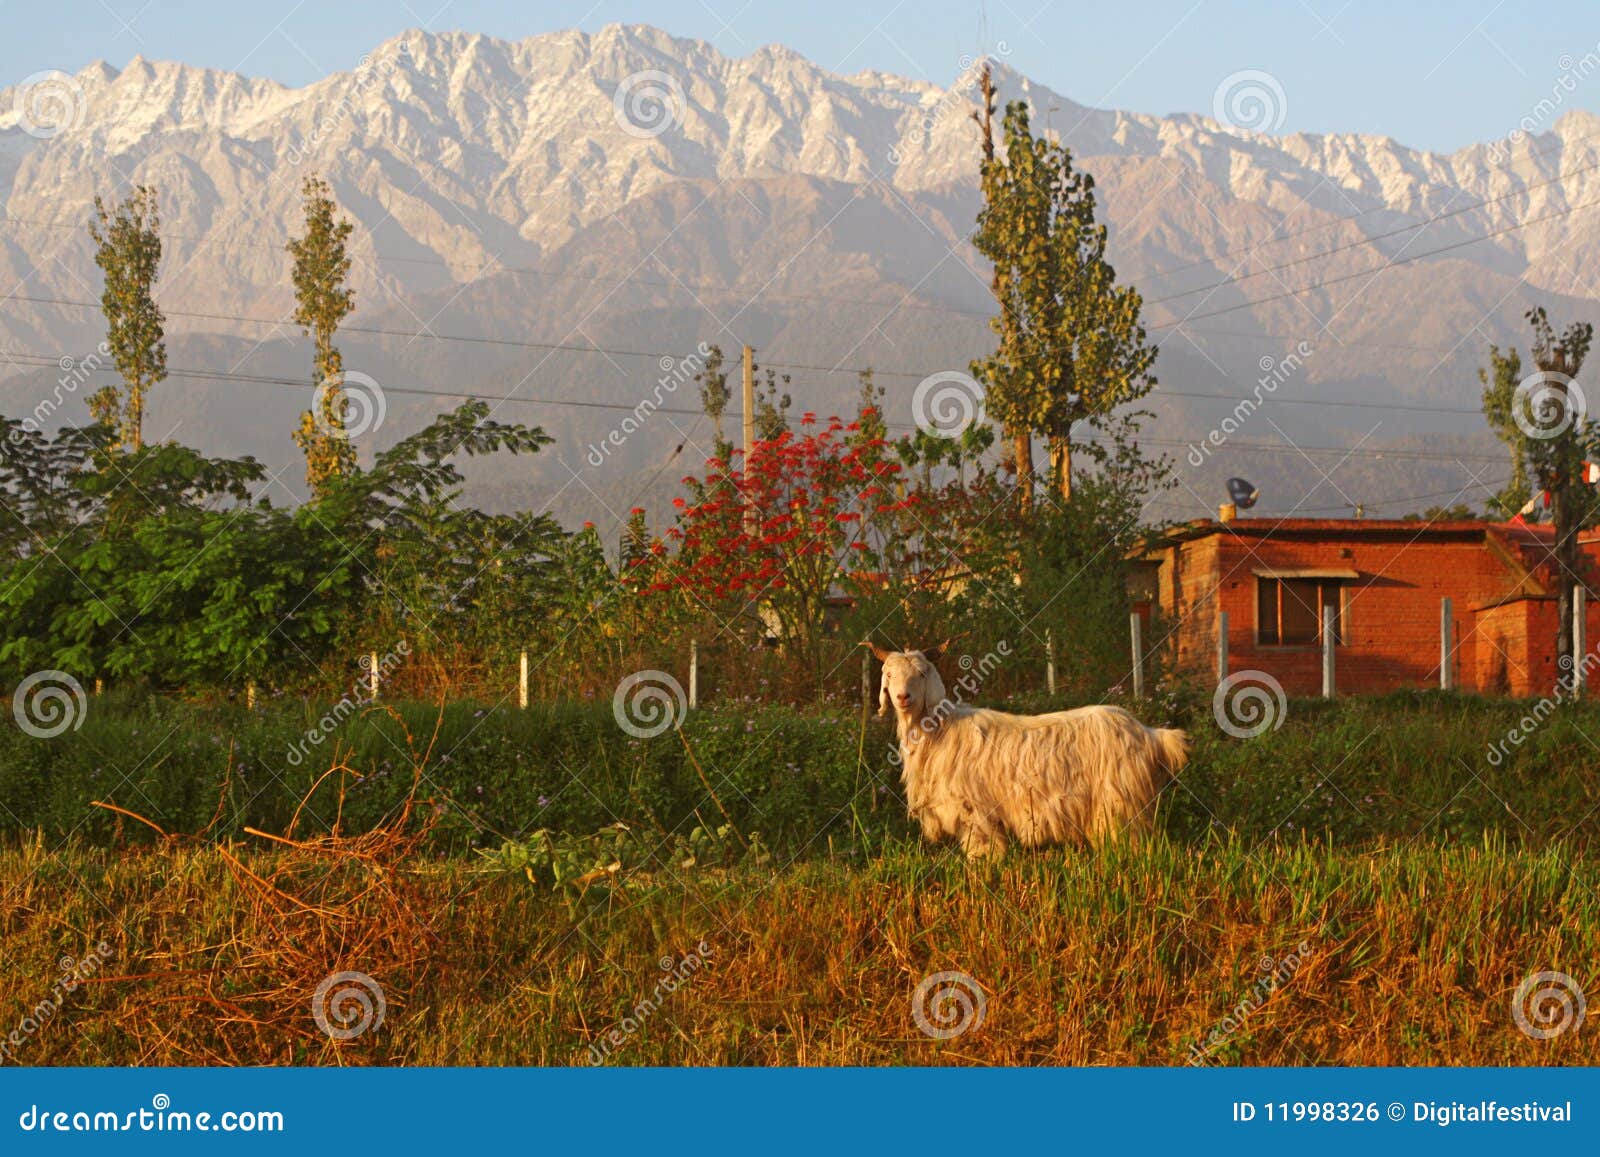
<point>1385,579</point>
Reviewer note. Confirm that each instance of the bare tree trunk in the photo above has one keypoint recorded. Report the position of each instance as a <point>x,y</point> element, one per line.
<point>1022,450</point>
<point>1061,466</point>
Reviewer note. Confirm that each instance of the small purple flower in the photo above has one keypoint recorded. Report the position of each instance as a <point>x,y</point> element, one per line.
<point>543,800</point>
<point>479,789</point>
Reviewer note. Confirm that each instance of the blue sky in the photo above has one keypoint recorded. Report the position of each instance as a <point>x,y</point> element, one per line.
<point>1434,75</point>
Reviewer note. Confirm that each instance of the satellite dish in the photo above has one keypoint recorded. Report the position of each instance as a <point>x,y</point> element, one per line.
<point>1242,494</point>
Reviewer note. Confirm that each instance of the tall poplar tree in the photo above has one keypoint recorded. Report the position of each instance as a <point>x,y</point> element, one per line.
<point>1072,347</point>
<point>322,301</point>
<point>128,251</point>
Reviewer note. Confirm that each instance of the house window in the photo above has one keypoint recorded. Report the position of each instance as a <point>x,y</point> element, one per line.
<point>1289,610</point>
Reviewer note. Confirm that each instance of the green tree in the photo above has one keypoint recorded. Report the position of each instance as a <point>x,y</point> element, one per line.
<point>1499,380</point>
<point>772,406</point>
<point>1543,421</point>
<point>1072,348</point>
<point>714,396</point>
<point>128,251</point>
<point>322,301</point>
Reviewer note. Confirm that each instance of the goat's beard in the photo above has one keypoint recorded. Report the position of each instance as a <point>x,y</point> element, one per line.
<point>914,720</point>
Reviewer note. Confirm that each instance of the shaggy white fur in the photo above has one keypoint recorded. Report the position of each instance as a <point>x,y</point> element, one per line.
<point>985,777</point>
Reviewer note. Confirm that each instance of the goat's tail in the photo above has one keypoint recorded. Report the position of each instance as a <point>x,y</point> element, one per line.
<point>1174,749</point>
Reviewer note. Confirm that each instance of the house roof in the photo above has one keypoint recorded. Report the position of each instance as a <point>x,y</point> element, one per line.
<point>1525,549</point>
<point>1327,528</point>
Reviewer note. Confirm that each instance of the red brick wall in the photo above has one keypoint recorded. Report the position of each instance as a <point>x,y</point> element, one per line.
<point>1391,610</point>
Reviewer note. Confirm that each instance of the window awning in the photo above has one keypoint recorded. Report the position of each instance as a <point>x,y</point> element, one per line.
<point>1306,573</point>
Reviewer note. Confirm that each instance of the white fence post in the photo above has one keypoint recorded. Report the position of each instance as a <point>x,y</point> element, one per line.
<point>372,673</point>
<point>1050,661</point>
<point>522,681</point>
<point>1136,628</point>
<point>694,673</point>
<point>1222,646</point>
<point>1447,675</point>
<point>1327,652</point>
<point>1580,638</point>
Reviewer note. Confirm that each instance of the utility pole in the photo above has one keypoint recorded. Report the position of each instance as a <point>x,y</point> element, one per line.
<point>749,436</point>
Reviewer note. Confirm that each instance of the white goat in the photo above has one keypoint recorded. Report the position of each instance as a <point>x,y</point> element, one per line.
<point>983,777</point>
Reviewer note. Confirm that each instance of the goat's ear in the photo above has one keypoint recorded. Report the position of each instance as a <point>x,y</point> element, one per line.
<point>880,653</point>
<point>932,654</point>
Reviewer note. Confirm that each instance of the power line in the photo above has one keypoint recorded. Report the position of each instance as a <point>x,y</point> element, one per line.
<point>1401,406</point>
<point>35,359</point>
<point>426,334</point>
<point>263,379</point>
<point>1423,224</point>
<point>1293,448</point>
<point>1453,492</point>
<point>38,360</point>
<point>1398,261</point>
<point>1251,248</point>
<point>561,274</point>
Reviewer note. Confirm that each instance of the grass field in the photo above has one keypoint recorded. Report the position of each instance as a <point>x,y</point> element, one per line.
<point>1393,956</point>
<point>1360,887</point>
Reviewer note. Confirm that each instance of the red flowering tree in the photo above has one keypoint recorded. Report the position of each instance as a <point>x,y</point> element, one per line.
<point>827,519</point>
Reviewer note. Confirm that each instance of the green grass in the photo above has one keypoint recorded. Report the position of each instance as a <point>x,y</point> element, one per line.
<point>1349,772</point>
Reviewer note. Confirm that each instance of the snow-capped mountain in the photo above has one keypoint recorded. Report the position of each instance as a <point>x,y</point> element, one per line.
<point>643,193</point>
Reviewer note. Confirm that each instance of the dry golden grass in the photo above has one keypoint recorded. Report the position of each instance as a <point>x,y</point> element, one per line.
<point>1411,956</point>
